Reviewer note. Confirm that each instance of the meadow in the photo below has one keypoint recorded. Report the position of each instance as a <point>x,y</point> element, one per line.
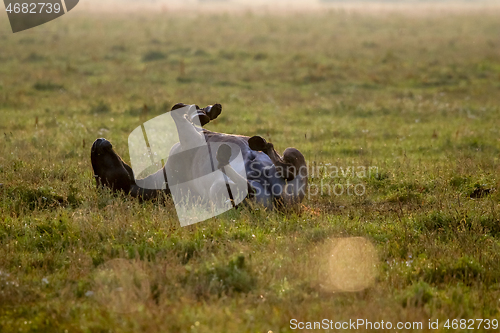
<point>415,96</point>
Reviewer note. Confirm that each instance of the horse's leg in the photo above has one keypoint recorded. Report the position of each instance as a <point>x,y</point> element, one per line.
<point>189,135</point>
<point>204,115</point>
<point>211,112</point>
<point>286,169</point>
<point>240,184</point>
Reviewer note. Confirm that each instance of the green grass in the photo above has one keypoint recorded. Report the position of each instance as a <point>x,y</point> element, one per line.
<point>415,96</point>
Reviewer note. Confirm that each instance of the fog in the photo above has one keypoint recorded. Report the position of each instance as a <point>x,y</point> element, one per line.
<point>283,6</point>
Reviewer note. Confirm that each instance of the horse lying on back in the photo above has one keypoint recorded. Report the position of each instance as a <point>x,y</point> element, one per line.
<point>269,179</point>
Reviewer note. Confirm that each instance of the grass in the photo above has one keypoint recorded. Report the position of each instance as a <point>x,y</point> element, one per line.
<point>414,96</point>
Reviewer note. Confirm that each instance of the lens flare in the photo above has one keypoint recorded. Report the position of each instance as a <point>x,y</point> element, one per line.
<point>351,265</point>
<point>122,286</point>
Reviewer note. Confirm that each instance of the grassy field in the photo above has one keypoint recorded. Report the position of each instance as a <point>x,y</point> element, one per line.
<point>414,97</point>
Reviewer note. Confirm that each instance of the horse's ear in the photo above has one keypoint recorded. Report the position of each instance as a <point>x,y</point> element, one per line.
<point>257,143</point>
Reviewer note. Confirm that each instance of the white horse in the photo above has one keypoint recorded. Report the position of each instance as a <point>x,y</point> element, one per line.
<point>269,179</point>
